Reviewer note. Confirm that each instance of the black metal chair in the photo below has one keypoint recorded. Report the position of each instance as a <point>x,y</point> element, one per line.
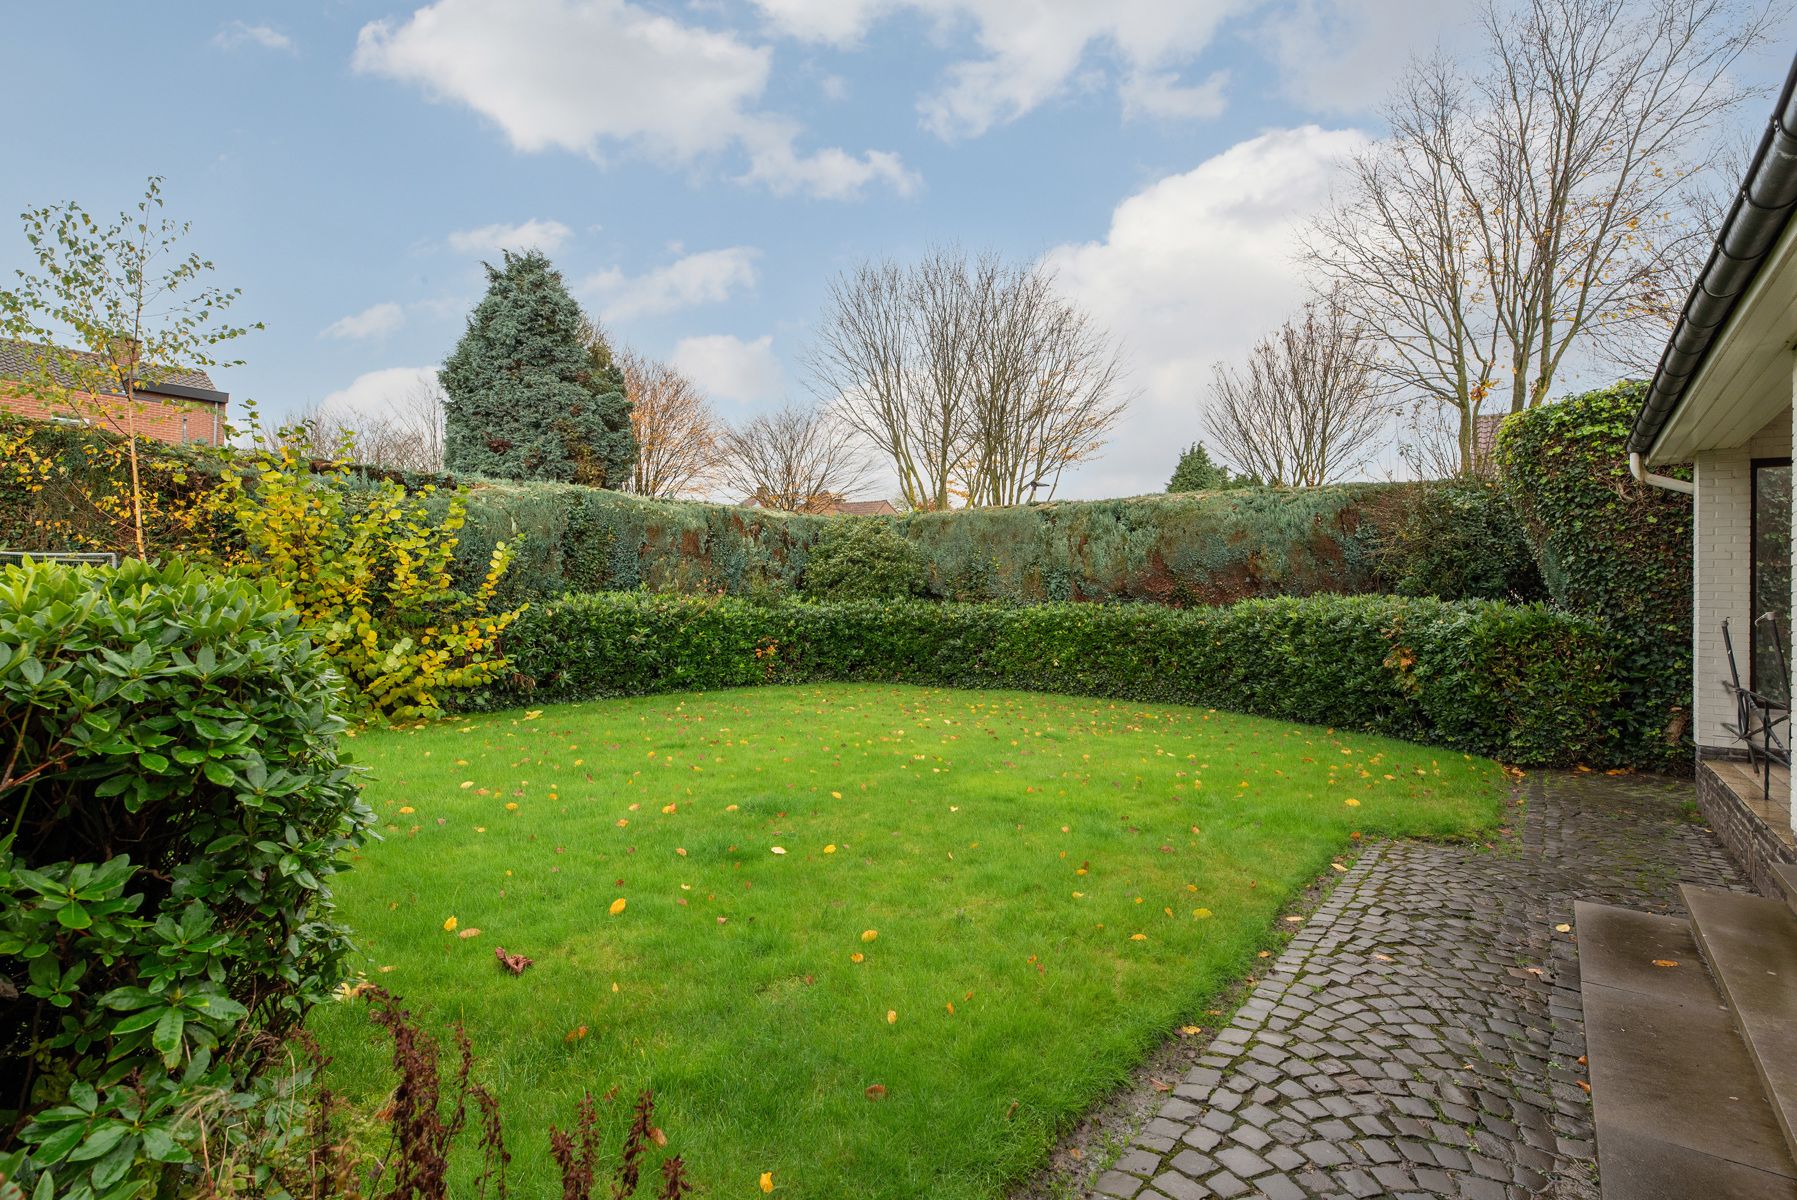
<point>1762,723</point>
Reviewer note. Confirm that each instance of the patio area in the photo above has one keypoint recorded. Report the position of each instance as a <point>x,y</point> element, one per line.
<point>1423,1034</point>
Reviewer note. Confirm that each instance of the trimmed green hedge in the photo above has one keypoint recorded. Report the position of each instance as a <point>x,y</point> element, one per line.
<point>1207,548</point>
<point>1518,682</point>
<point>1613,550</point>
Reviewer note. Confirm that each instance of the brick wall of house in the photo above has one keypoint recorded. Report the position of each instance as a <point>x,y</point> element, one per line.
<point>1723,572</point>
<point>166,419</point>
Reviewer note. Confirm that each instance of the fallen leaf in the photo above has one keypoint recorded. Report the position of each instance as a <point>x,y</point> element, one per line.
<point>868,935</point>
<point>1203,914</point>
<point>1338,866</point>
<point>830,849</point>
<point>574,1035</point>
<point>1295,920</point>
<point>1160,1085</point>
<point>891,1016</point>
<point>1265,954</point>
<point>857,956</point>
<point>407,808</point>
<point>617,906</point>
<point>779,849</point>
<point>876,1092</point>
<point>449,925</point>
<point>515,963</point>
<point>836,795</point>
<point>767,1181</point>
<point>470,932</point>
<point>1665,962</point>
<point>1138,937</point>
<point>1351,802</point>
<point>1190,1030</point>
<point>657,1136</point>
<point>1384,958</point>
<point>1583,1084</point>
<point>1562,928</point>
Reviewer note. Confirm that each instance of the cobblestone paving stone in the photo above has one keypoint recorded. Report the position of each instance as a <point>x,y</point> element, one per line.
<point>1420,1035</point>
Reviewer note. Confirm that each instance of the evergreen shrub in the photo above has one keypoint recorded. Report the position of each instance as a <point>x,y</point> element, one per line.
<point>174,809</point>
<point>1614,550</point>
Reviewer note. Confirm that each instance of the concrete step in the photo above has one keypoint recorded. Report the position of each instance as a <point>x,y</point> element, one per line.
<point>1784,878</point>
<point>1750,945</point>
<point>1676,1101</point>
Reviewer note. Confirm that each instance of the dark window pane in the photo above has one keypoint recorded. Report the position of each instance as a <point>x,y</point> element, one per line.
<point>1771,578</point>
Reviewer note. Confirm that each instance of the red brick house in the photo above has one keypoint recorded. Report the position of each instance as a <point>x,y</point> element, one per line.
<point>178,407</point>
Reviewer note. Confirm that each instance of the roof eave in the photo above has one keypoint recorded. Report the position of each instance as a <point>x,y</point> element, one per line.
<point>1756,221</point>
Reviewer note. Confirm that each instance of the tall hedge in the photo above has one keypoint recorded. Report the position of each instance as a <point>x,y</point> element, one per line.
<point>1519,682</point>
<point>1614,550</point>
<point>1179,550</point>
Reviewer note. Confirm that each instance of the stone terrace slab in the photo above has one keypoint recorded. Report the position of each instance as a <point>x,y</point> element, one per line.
<point>1420,1036</point>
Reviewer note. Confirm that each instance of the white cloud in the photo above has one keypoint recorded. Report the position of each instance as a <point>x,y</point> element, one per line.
<point>1031,53</point>
<point>707,277</point>
<point>1196,268</point>
<point>590,76</point>
<point>1161,94</point>
<point>1341,56</point>
<point>730,368</point>
<point>240,33</point>
<point>378,320</point>
<point>377,393</point>
<point>526,235</point>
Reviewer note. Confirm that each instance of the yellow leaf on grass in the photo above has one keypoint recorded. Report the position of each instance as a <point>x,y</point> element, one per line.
<point>857,956</point>
<point>779,849</point>
<point>891,1016</point>
<point>1138,937</point>
<point>467,783</point>
<point>407,808</point>
<point>1351,802</point>
<point>729,808</point>
<point>868,935</point>
<point>680,850</point>
<point>767,1181</point>
<point>836,795</point>
<point>668,808</point>
<point>449,925</point>
<point>830,849</point>
<point>951,1008</point>
<point>617,906</point>
<point>1203,914</point>
<point>512,805</point>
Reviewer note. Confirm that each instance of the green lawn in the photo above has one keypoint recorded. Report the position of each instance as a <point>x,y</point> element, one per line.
<point>1055,884</point>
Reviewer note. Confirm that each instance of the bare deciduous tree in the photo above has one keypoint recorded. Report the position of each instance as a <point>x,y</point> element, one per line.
<point>974,377</point>
<point>1534,216</point>
<point>793,459</point>
<point>1306,408</point>
<point>678,435</point>
<point>407,437</point>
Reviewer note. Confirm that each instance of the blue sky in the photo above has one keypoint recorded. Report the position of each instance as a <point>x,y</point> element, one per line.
<point>700,170</point>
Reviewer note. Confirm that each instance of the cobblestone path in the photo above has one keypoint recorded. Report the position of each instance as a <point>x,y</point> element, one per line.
<point>1420,1036</point>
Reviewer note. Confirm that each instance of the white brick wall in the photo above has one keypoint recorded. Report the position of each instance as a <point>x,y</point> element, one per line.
<point>1724,560</point>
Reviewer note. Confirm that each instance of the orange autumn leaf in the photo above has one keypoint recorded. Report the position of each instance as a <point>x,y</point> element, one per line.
<point>617,906</point>
<point>857,956</point>
<point>868,935</point>
<point>767,1181</point>
<point>876,1091</point>
<point>1138,937</point>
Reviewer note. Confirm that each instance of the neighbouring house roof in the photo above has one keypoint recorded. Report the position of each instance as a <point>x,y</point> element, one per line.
<point>1755,224</point>
<point>865,508</point>
<point>842,508</point>
<point>18,360</point>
